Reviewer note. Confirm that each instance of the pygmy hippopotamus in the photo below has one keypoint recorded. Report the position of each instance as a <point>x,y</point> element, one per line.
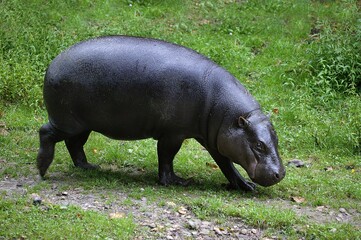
<point>135,88</point>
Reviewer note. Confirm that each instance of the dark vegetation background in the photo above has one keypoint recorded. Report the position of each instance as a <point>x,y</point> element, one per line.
<point>302,58</point>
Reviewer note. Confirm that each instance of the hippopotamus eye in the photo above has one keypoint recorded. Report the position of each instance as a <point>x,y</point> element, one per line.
<point>260,146</point>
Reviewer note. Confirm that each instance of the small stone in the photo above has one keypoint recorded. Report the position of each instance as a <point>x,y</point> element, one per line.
<point>206,224</point>
<point>36,199</point>
<point>186,233</point>
<point>182,210</point>
<point>254,231</point>
<point>342,210</point>
<point>204,231</point>
<point>328,169</point>
<point>320,208</point>
<point>171,204</point>
<point>218,231</point>
<point>64,193</point>
<point>296,163</point>
<point>193,225</point>
<point>244,231</point>
<point>298,199</point>
<point>152,225</point>
<point>169,237</point>
<point>116,215</point>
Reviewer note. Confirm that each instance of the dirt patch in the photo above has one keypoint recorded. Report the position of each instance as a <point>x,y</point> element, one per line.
<point>324,214</point>
<point>169,221</point>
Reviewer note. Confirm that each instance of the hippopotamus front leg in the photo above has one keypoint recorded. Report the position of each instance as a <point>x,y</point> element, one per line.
<point>167,148</point>
<point>75,147</point>
<point>236,181</point>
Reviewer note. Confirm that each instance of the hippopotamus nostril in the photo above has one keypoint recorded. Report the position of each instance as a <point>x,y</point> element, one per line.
<point>278,176</point>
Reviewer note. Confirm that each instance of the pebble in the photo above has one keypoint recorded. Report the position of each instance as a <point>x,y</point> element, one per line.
<point>342,210</point>
<point>320,208</point>
<point>206,224</point>
<point>218,231</point>
<point>182,210</point>
<point>171,204</point>
<point>204,231</point>
<point>193,224</point>
<point>36,199</point>
<point>63,207</point>
<point>116,215</point>
<point>244,231</point>
<point>296,163</point>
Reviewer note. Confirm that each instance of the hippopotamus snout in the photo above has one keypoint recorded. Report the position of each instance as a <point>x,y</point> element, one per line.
<point>266,175</point>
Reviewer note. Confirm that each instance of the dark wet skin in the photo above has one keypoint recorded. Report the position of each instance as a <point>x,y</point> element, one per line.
<point>135,88</point>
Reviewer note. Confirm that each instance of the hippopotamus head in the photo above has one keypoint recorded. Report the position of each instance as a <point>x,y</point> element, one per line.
<point>251,142</point>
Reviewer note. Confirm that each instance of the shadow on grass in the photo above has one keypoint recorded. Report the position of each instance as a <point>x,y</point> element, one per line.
<point>123,178</point>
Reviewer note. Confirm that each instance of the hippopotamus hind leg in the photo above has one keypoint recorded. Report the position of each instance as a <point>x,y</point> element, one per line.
<point>49,136</point>
<point>167,148</point>
<point>75,145</point>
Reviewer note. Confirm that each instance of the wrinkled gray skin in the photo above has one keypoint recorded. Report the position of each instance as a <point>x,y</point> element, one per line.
<point>135,88</point>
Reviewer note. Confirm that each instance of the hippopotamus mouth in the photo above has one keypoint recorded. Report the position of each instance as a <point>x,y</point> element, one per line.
<point>251,171</point>
<point>261,175</point>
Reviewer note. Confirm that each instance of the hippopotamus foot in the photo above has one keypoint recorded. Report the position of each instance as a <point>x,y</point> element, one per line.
<point>172,179</point>
<point>49,136</point>
<point>75,145</point>
<point>87,166</point>
<point>242,185</point>
<point>167,148</point>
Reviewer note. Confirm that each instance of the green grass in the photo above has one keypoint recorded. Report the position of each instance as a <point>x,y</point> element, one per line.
<point>22,220</point>
<point>265,44</point>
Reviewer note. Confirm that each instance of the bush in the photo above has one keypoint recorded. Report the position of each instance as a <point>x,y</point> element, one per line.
<point>336,60</point>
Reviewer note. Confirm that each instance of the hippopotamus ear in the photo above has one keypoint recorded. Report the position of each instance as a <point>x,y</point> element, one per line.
<point>242,122</point>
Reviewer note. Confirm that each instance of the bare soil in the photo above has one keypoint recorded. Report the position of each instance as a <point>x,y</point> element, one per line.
<point>170,221</point>
<point>163,221</point>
